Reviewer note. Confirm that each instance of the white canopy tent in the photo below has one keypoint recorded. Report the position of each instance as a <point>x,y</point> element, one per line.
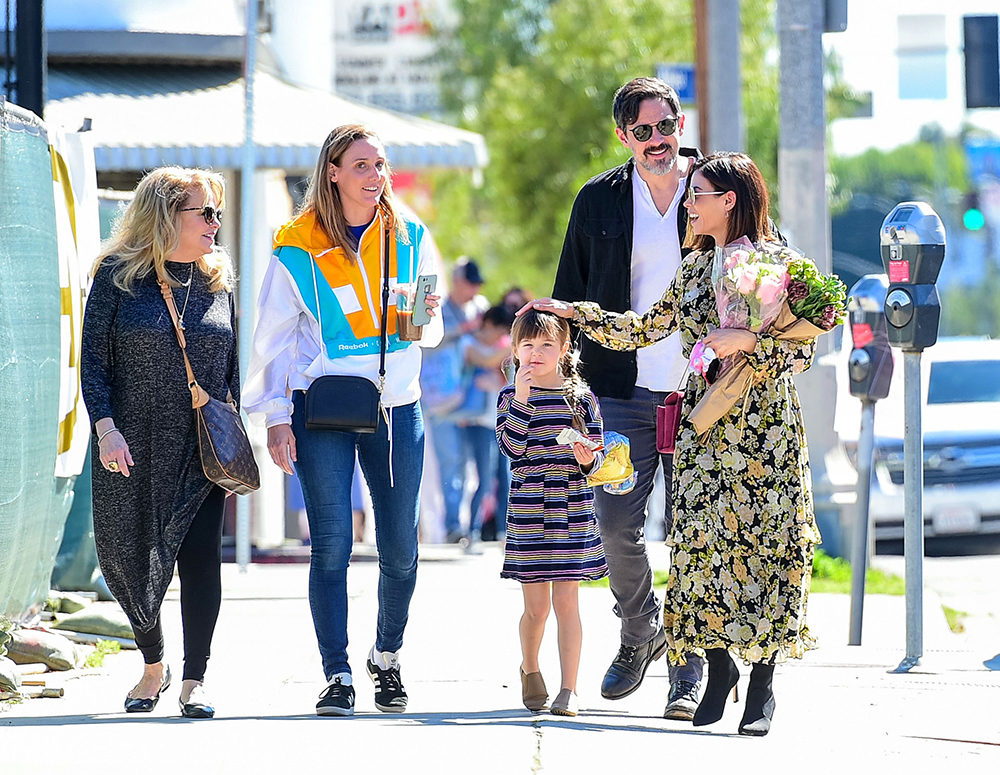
<point>149,117</point>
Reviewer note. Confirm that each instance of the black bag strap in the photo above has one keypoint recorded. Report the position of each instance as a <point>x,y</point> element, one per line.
<point>384,335</point>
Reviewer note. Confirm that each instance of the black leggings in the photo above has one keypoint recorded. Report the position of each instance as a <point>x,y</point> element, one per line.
<point>199,564</point>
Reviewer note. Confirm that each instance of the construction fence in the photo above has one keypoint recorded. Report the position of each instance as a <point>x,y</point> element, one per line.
<point>49,236</point>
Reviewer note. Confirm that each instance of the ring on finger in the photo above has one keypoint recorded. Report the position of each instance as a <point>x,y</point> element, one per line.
<point>113,466</point>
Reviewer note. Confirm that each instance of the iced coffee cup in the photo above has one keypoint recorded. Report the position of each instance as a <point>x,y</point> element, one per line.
<point>405,295</point>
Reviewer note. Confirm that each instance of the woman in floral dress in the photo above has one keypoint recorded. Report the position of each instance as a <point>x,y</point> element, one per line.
<point>744,531</point>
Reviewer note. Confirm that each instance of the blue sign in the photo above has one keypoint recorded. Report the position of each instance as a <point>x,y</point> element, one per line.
<point>681,77</point>
<point>983,158</point>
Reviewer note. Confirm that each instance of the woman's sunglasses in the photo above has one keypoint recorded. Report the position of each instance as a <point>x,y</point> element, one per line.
<point>692,195</point>
<point>642,132</point>
<point>208,212</point>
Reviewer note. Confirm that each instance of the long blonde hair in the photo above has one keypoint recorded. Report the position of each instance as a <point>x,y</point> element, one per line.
<point>149,229</point>
<point>323,196</point>
<point>533,324</point>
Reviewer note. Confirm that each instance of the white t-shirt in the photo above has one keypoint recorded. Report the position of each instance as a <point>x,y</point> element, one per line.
<point>656,257</point>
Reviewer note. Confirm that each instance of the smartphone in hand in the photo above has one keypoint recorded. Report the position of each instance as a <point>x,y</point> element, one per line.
<point>426,283</point>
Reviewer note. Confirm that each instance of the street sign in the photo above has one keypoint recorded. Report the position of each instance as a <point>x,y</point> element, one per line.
<point>681,77</point>
<point>983,157</point>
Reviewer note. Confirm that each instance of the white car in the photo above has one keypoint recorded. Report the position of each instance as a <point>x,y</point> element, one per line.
<point>961,429</point>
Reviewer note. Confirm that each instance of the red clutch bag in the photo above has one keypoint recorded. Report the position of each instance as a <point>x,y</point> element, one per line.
<point>668,421</point>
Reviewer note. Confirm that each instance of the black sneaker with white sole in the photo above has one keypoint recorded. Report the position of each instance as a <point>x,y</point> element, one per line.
<point>390,696</point>
<point>337,699</point>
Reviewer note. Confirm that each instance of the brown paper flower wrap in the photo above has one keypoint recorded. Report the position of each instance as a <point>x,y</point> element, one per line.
<point>740,379</point>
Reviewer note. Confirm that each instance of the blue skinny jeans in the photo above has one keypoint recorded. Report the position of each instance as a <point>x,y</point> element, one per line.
<point>325,467</point>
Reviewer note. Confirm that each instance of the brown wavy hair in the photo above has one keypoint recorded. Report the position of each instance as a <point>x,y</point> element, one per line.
<point>534,324</point>
<point>750,216</point>
<point>148,231</point>
<point>323,196</point>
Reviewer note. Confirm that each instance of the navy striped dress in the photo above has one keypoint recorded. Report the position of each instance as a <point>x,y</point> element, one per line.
<point>552,532</point>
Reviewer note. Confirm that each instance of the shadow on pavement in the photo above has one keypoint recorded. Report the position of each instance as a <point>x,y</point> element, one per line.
<point>586,722</point>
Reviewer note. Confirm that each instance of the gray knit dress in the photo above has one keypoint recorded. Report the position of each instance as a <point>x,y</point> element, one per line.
<point>132,370</point>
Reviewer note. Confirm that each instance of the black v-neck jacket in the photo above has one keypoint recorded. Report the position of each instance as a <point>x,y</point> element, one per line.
<point>596,265</point>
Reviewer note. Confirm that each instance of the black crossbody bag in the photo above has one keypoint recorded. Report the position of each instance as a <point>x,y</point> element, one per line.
<point>344,403</point>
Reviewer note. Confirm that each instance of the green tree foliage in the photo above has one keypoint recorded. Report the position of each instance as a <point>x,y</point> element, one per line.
<point>932,170</point>
<point>490,35</point>
<point>549,122</point>
<point>759,74</point>
<point>973,310</point>
<point>537,78</point>
<point>924,170</point>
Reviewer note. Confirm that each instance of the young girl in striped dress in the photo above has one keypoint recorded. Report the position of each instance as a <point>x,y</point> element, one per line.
<point>553,542</point>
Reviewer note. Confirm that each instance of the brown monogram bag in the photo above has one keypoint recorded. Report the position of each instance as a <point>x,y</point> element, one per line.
<point>226,455</point>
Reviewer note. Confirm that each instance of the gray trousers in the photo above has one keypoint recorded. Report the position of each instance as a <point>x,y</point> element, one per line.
<point>622,519</point>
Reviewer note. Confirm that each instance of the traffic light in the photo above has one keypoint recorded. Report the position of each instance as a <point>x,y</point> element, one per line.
<point>972,215</point>
<point>982,61</point>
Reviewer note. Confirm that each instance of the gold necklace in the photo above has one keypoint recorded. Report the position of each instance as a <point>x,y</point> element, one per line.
<point>187,295</point>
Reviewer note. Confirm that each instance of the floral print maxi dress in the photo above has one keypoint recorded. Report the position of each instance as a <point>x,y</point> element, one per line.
<point>744,531</point>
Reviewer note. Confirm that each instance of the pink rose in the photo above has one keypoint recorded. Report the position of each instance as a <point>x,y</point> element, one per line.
<point>736,258</point>
<point>746,279</point>
<point>770,289</point>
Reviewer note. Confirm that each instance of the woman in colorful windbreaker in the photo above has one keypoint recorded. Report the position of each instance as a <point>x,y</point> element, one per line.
<point>327,273</point>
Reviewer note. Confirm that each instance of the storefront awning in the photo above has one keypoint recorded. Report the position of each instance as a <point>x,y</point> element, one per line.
<point>144,117</point>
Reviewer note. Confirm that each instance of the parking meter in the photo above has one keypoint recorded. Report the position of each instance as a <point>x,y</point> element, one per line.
<point>912,245</point>
<point>870,363</point>
<point>869,374</point>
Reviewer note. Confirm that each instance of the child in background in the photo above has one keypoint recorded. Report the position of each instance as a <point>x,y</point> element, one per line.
<point>553,542</point>
<point>484,352</point>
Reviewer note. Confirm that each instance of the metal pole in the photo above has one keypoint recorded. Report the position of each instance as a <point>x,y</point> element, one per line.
<point>30,44</point>
<point>805,221</point>
<point>703,72</point>
<point>8,82</point>
<point>724,110</point>
<point>246,254</point>
<point>802,169</point>
<point>859,554</point>
<point>913,525</point>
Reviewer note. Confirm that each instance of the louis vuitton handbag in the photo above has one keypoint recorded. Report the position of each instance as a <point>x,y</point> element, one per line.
<point>350,404</point>
<point>226,455</point>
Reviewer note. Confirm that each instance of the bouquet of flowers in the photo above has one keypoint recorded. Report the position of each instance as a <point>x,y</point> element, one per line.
<point>779,292</point>
<point>819,298</point>
<point>750,285</point>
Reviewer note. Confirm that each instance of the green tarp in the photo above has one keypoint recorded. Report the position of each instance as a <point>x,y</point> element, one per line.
<point>33,502</point>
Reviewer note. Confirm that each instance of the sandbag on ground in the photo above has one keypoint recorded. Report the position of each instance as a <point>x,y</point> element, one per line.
<point>98,619</point>
<point>53,649</point>
<point>10,676</point>
<point>66,602</point>
<point>6,626</point>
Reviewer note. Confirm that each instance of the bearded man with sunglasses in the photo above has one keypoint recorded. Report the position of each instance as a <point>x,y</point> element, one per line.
<point>622,250</point>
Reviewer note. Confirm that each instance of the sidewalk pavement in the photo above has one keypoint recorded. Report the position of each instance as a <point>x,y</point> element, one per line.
<point>838,710</point>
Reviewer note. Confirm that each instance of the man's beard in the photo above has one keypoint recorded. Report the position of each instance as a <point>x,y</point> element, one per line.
<point>662,166</point>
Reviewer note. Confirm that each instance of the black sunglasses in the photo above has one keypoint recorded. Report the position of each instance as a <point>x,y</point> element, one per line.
<point>208,212</point>
<point>666,126</point>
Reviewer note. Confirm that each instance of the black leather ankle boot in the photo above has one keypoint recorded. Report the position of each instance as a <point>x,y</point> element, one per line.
<point>722,678</point>
<point>760,702</point>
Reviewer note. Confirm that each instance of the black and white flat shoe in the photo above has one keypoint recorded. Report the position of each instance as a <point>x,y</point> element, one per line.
<point>197,706</point>
<point>146,704</point>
